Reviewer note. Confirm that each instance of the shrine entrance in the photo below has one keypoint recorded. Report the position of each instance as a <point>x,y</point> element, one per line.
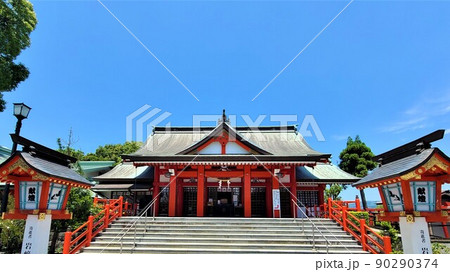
<point>224,202</point>
<point>285,200</point>
<point>258,201</point>
<point>164,202</point>
<point>190,201</point>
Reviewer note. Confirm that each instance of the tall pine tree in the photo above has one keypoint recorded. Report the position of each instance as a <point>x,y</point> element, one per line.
<point>356,158</point>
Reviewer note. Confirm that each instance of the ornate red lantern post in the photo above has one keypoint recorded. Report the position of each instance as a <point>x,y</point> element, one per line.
<point>42,180</point>
<point>409,180</point>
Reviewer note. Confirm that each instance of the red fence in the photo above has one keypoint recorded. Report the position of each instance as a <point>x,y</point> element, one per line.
<point>82,236</point>
<point>128,208</point>
<point>370,240</point>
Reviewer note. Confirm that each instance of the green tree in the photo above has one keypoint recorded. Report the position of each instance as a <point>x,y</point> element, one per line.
<point>67,149</point>
<point>333,191</point>
<point>17,21</point>
<point>356,158</point>
<point>396,241</point>
<point>112,152</point>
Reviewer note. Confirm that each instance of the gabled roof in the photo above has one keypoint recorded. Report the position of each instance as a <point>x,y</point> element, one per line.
<point>54,169</point>
<point>274,143</point>
<point>216,132</point>
<point>401,167</point>
<point>49,168</point>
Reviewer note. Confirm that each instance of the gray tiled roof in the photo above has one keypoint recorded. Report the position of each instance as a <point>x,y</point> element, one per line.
<point>278,143</point>
<point>54,169</point>
<point>325,173</point>
<point>398,167</point>
<point>127,171</point>
<point>120,187</point>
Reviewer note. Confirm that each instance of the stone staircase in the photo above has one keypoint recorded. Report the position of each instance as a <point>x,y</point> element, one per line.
<point>224,235</point>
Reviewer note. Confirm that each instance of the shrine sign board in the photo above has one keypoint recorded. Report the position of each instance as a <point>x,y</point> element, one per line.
<point>418,241</point>
<point>36,234</point>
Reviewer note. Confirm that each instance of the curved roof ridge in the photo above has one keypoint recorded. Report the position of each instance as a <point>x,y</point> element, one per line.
<point>216,132</point>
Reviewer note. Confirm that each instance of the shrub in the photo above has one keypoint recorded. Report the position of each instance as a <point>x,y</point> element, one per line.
<point>440,248</point>
<point>396,241</point>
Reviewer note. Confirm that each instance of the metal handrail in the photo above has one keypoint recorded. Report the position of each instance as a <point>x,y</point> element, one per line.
<point>295,199</point>
<point>129,226</point>
<point>313,226</point>
<point>143,212</point>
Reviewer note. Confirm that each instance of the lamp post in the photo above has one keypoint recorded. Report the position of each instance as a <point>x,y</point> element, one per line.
<point>21,112</point>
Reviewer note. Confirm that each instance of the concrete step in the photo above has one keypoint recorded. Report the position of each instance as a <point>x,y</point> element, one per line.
<point>233,240</point>
<point>223,235</point>
<point>248,230</point>
<point>223,220</point>
<point>195,235</point>
<point>169,250</point>
<point>219,245</point>
<point>215,223</point>
<point>292,228</point>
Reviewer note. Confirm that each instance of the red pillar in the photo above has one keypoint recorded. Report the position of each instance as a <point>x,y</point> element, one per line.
<point>247,192</point>
<point>201,191</point>
<point>269,210</point>
<point>120,206</point>
<point>293,181</point>
<point>407,198</point>
<point>322,198</point>
<point>66,198</point>
<point>321,194</point>
<point>89,230</point>
<point>438,193</point>
<point>67,240</point>
<point>180,196</point>
<point>275,186</point>
<point>173,196</point>
<point>156,189</point>
<point>44,195</point>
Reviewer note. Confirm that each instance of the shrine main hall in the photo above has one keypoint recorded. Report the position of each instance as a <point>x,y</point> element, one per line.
<point>223,171</point>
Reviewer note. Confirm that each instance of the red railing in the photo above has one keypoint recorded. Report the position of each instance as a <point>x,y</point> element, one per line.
<point>83,235</point>
<point>128,208</point>
<point>370,240</point>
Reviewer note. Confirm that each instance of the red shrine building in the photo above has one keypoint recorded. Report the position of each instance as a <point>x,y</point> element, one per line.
<point>223,171</point>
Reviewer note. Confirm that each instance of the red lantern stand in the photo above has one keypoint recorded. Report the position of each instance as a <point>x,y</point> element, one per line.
<point>409,180</point>
<point>42,182</point>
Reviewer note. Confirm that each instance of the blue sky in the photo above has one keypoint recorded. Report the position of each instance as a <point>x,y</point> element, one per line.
<point>380,70</point>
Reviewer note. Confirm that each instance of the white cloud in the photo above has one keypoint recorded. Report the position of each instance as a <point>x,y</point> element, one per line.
<point>447,131</point>
<point>419,116</point>
<point>411,124</point>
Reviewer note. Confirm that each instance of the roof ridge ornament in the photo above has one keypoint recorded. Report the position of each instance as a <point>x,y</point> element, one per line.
<point>224,118</point>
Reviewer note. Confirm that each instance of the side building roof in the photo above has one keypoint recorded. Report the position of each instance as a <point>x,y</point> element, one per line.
<point>400,167</point>
<point>325,174</point>
<point>4,153</point>
<point>126,171</point>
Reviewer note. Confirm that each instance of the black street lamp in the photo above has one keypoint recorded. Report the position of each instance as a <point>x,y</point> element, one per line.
<point>21,112</point>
